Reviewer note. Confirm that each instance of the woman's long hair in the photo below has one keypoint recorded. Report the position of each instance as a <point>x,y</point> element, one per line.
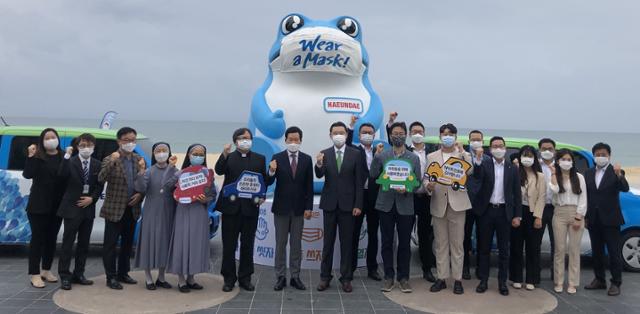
<point>42,152</point>
<point>524,178</point>
<point>573,173</point>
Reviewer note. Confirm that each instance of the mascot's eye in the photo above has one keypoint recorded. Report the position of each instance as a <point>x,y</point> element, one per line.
<point>291,23</point>
<point>349,26</point>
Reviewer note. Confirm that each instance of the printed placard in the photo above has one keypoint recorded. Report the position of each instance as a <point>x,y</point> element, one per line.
<point>452,173</point>
<point>193,181</point>
<point>398,174</point>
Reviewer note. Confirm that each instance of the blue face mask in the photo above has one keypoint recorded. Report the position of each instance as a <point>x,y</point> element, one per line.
<point>448,140</point>
<point>196,160</point>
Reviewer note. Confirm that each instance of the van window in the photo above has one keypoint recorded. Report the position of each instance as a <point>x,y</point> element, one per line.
<point>18,151</point>
<point>104,148</point>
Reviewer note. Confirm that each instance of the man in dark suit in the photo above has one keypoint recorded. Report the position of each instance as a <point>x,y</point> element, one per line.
<point>498,207</point>
<point>78,208</point>
<point>121,207</point>
<point>341,201</point>
<point>239,216</point>
<point>292,170</point>
<point>367,151</point>
<point>604,217</point>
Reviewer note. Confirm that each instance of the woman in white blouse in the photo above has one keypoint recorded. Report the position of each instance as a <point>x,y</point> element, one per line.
<point>570,201</point>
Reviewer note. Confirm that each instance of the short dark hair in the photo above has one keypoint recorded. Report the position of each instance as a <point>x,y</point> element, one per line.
<point>497,138</point>
<point>546,140</point>
<point>365,125</point>
<point>452,128</point>
<point>292,129</point>
<point>337,125</point>
<point>87,137</point>
<point>239,132</point>
<point>416,123</point>
<point>401,125</point>
<point>476,131</point>
<point>600,146</point>
<point>124,131</point>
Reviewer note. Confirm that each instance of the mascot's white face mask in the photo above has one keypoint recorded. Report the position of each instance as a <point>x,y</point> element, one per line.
<point>319,49</point>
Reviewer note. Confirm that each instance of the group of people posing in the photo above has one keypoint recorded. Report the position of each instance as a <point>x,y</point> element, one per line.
<point>512,197</point>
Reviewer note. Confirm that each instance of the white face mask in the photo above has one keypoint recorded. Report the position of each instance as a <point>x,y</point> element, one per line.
<point>417,138</point>
<point>293,147</point>
<point>546,154</point>
<point>161,157</point>
<point>339,140</point>
<point>498,152</point>
<point>85,152</point>
<point>366,139</point>
<point>526,161</point>
<point>602,161</point>
<point>475,145</point>
<point>128,147</point>
<point>448,140</point>
<point>565,164</point>
<point>51,143</point>
<point>244,144</point>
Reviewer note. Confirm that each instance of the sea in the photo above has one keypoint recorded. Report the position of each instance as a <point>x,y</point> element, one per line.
<point>214,134</point>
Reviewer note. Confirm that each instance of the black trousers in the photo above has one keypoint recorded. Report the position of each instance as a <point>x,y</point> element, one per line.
<point>610,237</point>
<point>494,220</point>
<point>390,222</point>
<point>425,231</point>
<point>529,238</point>
<point>470,220</point>
<point>120,232</point>
<point>234,227</point>
<point>80,227</point>
<point>373,222</point>
<point>42,246</point>
<point>547,223</point>
<point>344,222</point>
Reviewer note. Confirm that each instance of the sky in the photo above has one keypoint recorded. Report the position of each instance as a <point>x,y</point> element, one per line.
<point>569,65</point>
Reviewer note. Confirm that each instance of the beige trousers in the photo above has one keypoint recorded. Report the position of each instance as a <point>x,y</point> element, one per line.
<point>563,220</point>
<point>448,232</point>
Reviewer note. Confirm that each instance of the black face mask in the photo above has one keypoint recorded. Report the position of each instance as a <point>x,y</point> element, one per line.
<point>398,141</point>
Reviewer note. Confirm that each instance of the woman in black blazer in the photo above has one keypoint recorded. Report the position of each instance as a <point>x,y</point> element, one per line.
<point>43,160</point>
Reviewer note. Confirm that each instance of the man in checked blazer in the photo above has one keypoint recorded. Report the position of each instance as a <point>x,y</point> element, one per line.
<point>121,207</point>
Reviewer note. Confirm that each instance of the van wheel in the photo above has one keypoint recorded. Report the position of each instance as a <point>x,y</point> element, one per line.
<point>455,186</point>
<point>631,250</point>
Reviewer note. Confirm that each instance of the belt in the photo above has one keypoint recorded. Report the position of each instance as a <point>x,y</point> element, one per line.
<point>496,205</point>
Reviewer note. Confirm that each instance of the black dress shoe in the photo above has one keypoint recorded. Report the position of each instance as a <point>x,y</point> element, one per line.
<point>65,284</point>
<point>184,289</point>
<point>438,285</point>
<point>428,276</point>
<point>247,285</point>
<point>502,287</point>
<point>596,285</point>
<point>457,287</point>
<point>466,273</point>
<point>127,280</point>
<point>150,286</point>
<point>280,284</point>
<point>347,287</point>
<point>194,286</point>
<point>482,287</point>
<point>297,283</point>
<point>323,285</point>
<point>114,284</point>
<point>374,275</point>
<point>163,284</point>
<point>81,280</point>
<point>227,287</point>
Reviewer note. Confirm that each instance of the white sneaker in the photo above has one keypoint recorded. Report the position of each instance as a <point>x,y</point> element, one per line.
<point>517,285</point>
<point>36,281</point>
<point>530,287</point>
<point>558,289</point>
<point>571,290</point>
<point>48,276</point>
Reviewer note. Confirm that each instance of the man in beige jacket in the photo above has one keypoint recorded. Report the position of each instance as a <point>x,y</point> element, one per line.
<point>448,209</point>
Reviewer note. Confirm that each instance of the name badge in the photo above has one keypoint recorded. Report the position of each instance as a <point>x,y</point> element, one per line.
<point>85,189</point>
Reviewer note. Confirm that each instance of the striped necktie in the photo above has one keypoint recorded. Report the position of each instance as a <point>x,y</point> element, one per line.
<point>85,170</point>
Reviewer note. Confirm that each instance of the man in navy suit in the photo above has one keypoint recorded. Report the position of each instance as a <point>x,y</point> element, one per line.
<point>604,217</point>
<point>498,207</point>
<point>292,201</point>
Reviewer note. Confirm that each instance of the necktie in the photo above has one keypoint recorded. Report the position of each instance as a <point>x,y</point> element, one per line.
<point>339,160</point>
<point>294,164</point>
<point>85,170</point>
